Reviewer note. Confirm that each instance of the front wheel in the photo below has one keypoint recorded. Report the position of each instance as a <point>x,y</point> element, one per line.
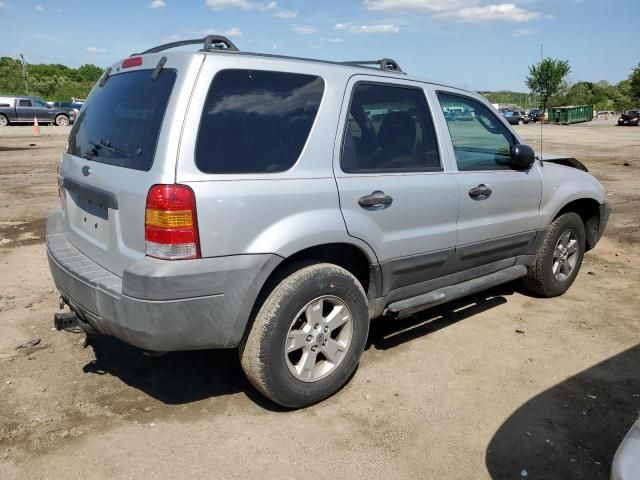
<point>308,336</point>
<point>4,121</point>
<point>520,122</point>
<point>559,257</point>
<point>62,120</point>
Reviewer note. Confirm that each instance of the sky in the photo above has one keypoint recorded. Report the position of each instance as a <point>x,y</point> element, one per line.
<point>476,44</point>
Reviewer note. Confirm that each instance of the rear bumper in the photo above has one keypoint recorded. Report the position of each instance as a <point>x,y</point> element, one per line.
<point>160,305</point>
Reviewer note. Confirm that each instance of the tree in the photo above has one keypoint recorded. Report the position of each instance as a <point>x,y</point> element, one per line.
<point>634,84</point>
<point>545,78</point>
<point>50,81</point>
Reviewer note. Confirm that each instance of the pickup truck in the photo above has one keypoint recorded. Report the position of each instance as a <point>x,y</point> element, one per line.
<point>16,110</point>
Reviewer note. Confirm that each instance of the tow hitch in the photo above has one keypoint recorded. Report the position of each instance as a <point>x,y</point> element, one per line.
<point>68,322</point>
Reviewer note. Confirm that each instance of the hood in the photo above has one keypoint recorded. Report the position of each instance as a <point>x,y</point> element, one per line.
<point>564,160</point>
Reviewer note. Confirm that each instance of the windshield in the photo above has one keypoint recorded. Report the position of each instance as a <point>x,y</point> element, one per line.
<point>121,120</point>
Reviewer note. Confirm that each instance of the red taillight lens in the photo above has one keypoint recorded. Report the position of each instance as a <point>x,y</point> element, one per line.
<point>171,230</point>
<point>132,62</point>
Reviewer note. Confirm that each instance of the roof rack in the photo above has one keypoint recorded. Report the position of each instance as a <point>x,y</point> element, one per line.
<point>383,64</point>
<point>211,43</point>
<point>219,43</point>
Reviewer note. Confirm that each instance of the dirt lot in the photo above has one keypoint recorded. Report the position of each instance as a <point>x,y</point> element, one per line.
<point>488,387</point>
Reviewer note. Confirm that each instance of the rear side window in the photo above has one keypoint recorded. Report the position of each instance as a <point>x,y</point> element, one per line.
<point>389,129</point>
<point>256,121</point>
<point>121,121</point>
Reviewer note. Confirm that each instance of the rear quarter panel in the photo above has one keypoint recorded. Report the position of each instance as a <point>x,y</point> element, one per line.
<point>279,213</point>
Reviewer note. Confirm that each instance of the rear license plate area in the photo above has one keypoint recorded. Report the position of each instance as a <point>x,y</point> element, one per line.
<point>88,218</point>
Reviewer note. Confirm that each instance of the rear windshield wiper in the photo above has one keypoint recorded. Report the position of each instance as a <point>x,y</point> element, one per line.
<point>107,146</point>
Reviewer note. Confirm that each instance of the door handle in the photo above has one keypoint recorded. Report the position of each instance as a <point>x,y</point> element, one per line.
<point>377,199</point>
<point>480,192</point>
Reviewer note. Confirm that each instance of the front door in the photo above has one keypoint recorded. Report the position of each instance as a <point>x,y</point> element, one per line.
<point>395,193</point>
<point>499,206</point>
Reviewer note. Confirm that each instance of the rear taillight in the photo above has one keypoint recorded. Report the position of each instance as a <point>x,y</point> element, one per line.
<point>171,229</point>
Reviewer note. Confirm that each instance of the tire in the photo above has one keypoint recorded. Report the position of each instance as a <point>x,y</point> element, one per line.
<point>550,275</point>
<point>280,324</point>
<point>62,120</point>
<point>4,121</point>
<point>520,122</point>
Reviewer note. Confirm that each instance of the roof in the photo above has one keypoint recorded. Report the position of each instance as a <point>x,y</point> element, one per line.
<point>218,44</point>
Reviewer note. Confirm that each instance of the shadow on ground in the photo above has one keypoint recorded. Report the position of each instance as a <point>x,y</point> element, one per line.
<point>573,429</point>
<point>185,377</point>
<point>385,334</point>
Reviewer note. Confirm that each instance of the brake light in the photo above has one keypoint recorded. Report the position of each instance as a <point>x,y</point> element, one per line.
<point>132,62</point>
<point>171,229</point>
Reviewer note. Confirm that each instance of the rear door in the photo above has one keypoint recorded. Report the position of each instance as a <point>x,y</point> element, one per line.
<point>24,110</point>
<point>396,194</point>
<point>124,142</point>
<point>499,207</point>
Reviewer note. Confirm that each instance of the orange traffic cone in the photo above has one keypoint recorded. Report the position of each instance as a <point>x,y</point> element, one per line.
<point>36,127</point>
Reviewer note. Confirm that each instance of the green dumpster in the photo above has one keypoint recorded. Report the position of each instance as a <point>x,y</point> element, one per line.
<point>567,115</point>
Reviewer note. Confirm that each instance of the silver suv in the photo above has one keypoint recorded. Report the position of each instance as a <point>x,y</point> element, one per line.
<point>222,199</point>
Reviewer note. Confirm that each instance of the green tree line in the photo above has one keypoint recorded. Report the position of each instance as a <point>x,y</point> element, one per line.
<point>602,95</point>
<point>53,82</point>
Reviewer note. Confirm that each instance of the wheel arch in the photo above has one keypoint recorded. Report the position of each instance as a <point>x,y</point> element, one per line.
<point>589,211</point>
<point>349,256</point>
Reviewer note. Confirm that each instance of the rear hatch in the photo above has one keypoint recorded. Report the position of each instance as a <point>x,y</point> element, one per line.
<point>124,141</point>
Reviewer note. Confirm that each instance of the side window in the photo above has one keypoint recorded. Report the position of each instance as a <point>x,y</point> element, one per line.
<point>480,140</point>
<point>24,103</point>
<point>256,121</point>
<point>389,129</point>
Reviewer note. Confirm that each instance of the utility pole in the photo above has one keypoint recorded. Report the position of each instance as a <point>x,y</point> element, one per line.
<point>25,74</point>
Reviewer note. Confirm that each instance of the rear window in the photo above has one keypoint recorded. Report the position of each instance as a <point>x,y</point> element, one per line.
<point>256,121</point>
<point>121,120</point>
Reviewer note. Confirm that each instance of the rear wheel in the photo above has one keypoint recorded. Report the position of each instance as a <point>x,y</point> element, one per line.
<point>308,336</point>
<point>62,120</point>
<point>4,121</point>
<point>559,257</point>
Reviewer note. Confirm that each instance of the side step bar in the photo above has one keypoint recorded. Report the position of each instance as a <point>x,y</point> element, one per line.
<point>404,308</point>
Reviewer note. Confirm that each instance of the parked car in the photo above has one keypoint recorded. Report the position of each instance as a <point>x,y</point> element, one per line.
<point>258,229</point>
<point>517,117</point>
<point>461,116</point>
<point>630,117</point>
<point>60,104</point>
<point>538,115</point>
<point>605,113</point>
<point>16,110</point>
<point>626,463</point>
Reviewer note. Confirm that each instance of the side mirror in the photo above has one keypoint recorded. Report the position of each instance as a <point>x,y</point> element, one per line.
<point>522,156</point>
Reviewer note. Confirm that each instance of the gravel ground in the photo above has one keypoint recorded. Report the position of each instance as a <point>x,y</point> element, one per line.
<point>487,387</point>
